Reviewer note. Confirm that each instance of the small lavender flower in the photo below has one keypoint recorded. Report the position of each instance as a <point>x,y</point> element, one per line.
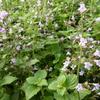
<point>3,14</point>
<point>2,30</point>
<point>13,60</point>
<point>88,65</point>
<point>66,64</point>
<point>81,73</point>
<point>82,8</point>
<point>83,42</point>
<point>97,62</point>
<point>96,86</point>
<point>79,87</point>
<point>97,53</point>
<point>18,48</point>
<point>90,39</point>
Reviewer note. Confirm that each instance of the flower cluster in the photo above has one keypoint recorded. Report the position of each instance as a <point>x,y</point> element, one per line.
<point>3,15</point>
<point>48,45</point>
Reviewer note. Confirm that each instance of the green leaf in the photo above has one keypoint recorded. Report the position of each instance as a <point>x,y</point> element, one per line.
<point>7,80</point>
<point>57,84</point>
<point>39,75</point>
<point>61,79</point>
<point>32,62</point>
<point>43,82</point>
<point>53,85</point>
<point>33,80</point>
<point>74,96</point>
<point>61,91</point>
<point>30,90</point>
<point>59,97</point>
<point>71,81</point>
<point>84,93</point>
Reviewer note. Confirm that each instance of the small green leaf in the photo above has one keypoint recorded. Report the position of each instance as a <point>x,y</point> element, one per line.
<point>7,80</point>
<point>61,91</point>
<point>30,90</point>
<point>71,81</point>
<point>43,82</point>
<point>84,93</point>
<point>53,85</point>
<point>56,84</point>
<point>39,75</point>
<point>74,96</point>
<point>33,80</point>
<point>59,97</point>
<point>32,62</point>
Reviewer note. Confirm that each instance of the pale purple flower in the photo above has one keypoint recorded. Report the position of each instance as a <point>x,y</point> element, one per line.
<point>79,87</point>
<point>88,65</point>
<point>97,62</point>
<point>97,19</point>
<point>81,73</point>
<point>97,53</point>
<point>82,8</point>
<point>18,48</point>
<point>83,42</point>
<point>13,60</point>
<point>96,86</point>
<point>90,39</point>
<point>2,30</point>
<point>3,14</point>
<point>66,64</point>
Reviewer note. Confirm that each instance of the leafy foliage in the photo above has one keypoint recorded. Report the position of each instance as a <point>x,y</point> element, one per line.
<point>49,49</point>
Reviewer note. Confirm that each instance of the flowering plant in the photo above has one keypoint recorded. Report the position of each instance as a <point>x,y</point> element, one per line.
<point>49,50</point>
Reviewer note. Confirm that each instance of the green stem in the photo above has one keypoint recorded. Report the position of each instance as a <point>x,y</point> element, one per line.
<point>79,64</point>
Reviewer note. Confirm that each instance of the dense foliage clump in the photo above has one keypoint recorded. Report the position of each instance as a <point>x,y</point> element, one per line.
<point>49,50</point>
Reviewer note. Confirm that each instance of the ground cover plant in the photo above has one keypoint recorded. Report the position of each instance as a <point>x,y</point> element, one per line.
<point>49,50</point>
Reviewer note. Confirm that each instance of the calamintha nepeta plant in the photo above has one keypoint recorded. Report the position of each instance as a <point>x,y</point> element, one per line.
<point>49,50</point>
